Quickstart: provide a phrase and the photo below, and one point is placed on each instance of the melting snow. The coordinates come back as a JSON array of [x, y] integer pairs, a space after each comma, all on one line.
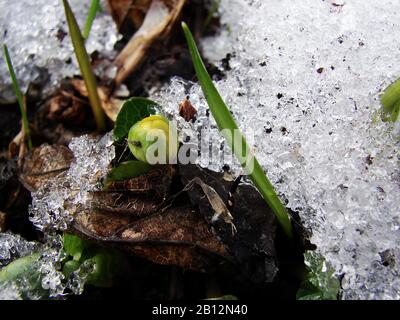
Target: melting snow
[[36, 34], [306, 75]]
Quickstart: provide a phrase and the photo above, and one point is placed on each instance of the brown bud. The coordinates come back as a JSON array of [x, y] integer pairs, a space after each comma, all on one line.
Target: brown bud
[[187, 111]]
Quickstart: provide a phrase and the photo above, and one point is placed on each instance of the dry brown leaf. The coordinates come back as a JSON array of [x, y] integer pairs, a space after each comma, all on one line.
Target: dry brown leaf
[[155, 183], [110, 105], [178, 236], [253, 246], [187, 111], [2, 221], [134, 10], [159, 19], [124, 203], [44, 163]]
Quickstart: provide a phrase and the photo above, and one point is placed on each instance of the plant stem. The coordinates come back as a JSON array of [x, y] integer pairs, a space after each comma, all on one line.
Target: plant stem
[[18, 93], [85, 67], [390, 100], [238, 144], [94, 7]]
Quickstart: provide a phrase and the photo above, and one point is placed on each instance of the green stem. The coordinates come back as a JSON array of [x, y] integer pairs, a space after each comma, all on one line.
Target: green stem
[[85, 67], [390, 100], [18, 93], [94, 7], [234, 137]]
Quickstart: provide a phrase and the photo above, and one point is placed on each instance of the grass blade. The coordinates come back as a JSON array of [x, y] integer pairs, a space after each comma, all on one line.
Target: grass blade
[[85, 67], [390, 100], [229, 128], [94, 7], [20, 99]]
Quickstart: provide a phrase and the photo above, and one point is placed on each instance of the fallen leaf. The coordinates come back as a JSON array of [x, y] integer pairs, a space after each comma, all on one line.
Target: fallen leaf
[[178, 236], [253, 245], [187, 111], [160, 17], [132, 10], [44, 163], [2, 221]]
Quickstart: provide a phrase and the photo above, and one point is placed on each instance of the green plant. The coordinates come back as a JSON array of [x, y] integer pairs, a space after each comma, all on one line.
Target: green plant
[[132, 111], [234, 137], [18, 93], [390, 100], [109, 265], [18, 267], [94, 8], [85, 67], [320, 282], [152, 133], [127, 170]]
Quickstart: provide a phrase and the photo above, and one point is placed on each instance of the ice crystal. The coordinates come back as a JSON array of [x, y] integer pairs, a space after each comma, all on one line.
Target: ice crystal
[[43, 278], [13, 247], [306, 76], [36, 33], [54, 205]]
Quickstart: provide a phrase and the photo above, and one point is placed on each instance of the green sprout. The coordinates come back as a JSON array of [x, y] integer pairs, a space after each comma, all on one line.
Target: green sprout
[[18, 93], [93, 9], [390, 100], [234, 137], [85, 67]]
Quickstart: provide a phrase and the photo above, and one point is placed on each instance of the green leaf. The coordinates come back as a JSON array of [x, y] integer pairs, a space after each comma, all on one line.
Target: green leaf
[[108, 264], [70, 266], [132, 111], [320, 282], [19, 267], [25, 273], [106, 269], [18, 93], [74, 246], [390, 100], [94, 8], [128, 170], [85, 67], [234, 137]]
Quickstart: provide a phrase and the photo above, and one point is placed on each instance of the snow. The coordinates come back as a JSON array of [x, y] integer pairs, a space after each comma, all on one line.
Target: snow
[[304, 83], [36, 34], [54, 204]]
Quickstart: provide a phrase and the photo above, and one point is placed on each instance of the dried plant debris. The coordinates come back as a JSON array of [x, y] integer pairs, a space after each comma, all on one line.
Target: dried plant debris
[[160, 17], [135, 214], [125, 11], [2, 221], [144, 216], [44, 163], [155, 183], [111, 105], [252, 245], [187, 111], [177, 236], [60, 197]]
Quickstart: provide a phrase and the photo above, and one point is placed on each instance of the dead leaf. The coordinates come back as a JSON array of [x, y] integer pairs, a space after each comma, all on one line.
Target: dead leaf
[[160, 17], [187, 111], [110, 105], [67, 108], [124, 203], [253, 246], [44, 163], [156, 183], [178, 236], [2, 221], [132, 10]]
